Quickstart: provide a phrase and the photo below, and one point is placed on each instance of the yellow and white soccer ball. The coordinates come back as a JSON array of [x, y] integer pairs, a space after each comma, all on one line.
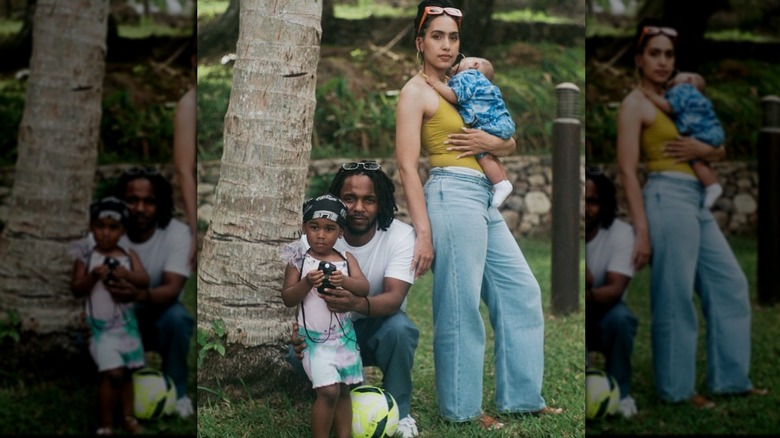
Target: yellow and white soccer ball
[[374, 412], [154, 394], [602, 394]]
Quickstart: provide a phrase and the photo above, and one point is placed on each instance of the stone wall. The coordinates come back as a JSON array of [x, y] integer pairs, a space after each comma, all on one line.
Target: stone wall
[[527, 210]]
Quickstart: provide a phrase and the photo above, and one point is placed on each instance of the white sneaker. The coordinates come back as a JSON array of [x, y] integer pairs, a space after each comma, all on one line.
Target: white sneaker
[[407, 427], [627, 407], [184, 407]]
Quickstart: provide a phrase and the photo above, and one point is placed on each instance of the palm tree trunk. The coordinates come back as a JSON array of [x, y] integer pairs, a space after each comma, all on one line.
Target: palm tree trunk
[[268, 128], [57, 148]]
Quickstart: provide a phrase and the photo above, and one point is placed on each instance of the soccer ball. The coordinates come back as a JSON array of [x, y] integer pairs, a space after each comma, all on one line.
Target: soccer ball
[[154, 394], [374, 412], [602, 394]]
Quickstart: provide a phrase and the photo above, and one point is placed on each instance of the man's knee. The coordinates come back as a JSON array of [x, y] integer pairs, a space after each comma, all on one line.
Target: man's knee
[[401, 330], [621, 321], [177, 321]]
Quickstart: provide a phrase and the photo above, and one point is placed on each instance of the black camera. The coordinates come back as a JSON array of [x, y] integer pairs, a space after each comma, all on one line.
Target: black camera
[[112, 263], [328, 268]]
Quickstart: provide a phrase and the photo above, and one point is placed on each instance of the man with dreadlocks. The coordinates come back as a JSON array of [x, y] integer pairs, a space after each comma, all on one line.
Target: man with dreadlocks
[[384, 248]]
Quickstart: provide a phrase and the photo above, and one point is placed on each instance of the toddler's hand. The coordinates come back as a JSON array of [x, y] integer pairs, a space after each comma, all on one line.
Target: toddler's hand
[[100, 272], [315, 277], [336, 278], [120, 272]]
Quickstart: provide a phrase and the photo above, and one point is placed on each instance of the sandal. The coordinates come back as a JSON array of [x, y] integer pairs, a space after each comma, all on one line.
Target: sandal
[[756, 391], [489, 423], [701, 402], [548, 411], [104, 431], [132, 426]]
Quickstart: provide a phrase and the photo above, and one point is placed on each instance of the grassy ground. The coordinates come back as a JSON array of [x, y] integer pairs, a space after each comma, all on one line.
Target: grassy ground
[[286, 413], [67, 405], [731, 416]]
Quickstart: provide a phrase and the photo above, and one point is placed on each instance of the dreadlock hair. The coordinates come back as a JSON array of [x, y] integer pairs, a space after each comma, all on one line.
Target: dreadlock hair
[[607, 199], [383, 188], [163, 192]]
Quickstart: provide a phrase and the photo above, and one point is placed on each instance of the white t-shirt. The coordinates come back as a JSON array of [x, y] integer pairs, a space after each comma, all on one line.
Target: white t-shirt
[[388, 254], [610, 251], [166, 251]]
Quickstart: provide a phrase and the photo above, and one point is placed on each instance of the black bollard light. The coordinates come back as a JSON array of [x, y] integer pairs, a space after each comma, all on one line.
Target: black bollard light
[[566, 201], [768, 205]]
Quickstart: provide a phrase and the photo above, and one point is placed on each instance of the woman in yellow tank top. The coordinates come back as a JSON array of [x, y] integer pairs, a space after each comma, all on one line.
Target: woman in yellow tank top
[[476, 255], [680, 238]]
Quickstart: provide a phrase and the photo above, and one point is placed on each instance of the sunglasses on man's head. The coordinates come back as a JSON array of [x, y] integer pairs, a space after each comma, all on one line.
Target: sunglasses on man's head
[[144, 171], [367, 165], [650, 31], [438, 10], [593, 171]]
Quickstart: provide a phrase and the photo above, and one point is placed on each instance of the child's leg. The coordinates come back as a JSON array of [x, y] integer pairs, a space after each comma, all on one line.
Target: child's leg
[[342, 421], [323, 410], [128, 395], [708, 179], [110, 387], [495, 173]]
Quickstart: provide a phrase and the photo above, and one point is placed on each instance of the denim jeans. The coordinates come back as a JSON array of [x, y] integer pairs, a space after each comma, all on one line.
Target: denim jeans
[[690, 253], [388, 343], [476, 257], [168, 330], [612, 332]]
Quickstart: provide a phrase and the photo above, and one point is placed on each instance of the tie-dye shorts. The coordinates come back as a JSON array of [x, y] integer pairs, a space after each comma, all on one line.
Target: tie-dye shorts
[[332, 357]]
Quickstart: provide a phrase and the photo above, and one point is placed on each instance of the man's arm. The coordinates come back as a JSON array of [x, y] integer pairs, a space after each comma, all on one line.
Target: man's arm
[[611, 291], [385, 303], [165, 293]]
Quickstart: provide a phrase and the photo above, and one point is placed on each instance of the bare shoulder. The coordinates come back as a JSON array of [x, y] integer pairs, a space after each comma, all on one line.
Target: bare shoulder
[[636, 104], [417, 92]]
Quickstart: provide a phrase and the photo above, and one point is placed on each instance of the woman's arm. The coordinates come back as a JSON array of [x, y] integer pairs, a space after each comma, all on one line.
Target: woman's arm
[[409, 115], [475, 141], [629, 131], [685, 149], [184, 151]]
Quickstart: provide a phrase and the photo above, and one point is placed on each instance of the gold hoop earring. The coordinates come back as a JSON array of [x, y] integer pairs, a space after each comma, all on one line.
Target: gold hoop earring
[[419, 62]]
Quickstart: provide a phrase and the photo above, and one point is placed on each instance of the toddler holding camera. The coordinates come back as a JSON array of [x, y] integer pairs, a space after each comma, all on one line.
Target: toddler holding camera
[[331, 358], [115, 343]]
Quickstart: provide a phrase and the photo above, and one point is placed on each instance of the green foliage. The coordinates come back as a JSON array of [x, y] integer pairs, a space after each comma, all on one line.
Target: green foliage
[[214, 83], [10, 325], [343, 122], [11, 109], [211, 340], [318, 185], [129, 132]]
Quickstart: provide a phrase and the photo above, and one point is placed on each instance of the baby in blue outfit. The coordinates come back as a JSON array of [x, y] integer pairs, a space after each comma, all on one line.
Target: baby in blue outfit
[[481, 105], [695, 117]]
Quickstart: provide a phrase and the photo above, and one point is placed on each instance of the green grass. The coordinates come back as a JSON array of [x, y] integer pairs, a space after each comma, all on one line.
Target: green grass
[[731, 416], [68, 405], [211, 9], [286, 413]]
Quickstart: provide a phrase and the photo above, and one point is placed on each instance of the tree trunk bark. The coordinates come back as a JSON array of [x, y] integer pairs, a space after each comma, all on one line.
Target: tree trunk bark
[[268, 128], [55, 168]]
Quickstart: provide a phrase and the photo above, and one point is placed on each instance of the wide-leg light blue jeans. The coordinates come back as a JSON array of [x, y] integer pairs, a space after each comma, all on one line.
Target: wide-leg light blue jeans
[[476, 257], [690, 253]]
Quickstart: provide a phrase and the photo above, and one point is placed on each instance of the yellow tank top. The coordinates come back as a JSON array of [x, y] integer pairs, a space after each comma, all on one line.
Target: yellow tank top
[[653, 139], [434, 132]]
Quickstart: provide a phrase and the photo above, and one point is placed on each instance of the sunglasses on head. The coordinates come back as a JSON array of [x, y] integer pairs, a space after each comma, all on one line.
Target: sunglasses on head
[[438, 10], [145, 171], [650, 31], [594, 171], [367, 165]]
